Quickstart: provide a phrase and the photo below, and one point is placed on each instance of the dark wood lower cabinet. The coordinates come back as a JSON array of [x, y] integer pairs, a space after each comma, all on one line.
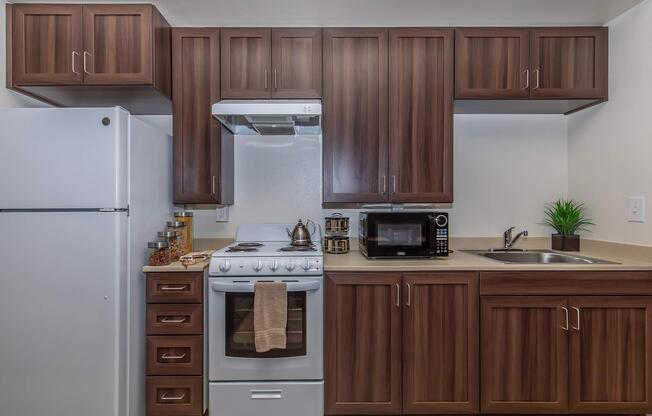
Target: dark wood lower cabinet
[[440, 343], [524, 354], [611, 354]]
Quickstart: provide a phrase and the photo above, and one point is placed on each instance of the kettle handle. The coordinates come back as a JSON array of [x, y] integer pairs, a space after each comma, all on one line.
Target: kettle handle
[[314, 226]]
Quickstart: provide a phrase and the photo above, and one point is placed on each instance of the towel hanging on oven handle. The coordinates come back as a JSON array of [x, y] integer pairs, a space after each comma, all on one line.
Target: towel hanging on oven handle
[[248, 287]]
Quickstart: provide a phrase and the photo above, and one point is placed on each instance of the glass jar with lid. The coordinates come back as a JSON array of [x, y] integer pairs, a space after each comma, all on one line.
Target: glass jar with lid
[[186, 217], [182, 234], [158, 253], [171, 238]]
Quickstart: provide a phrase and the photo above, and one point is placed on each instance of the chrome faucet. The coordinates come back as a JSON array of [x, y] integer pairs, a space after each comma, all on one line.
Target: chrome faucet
[[509, 240]]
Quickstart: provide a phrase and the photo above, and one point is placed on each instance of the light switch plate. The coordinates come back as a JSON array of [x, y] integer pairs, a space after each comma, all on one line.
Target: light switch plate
[[636, 209], [222, 214]]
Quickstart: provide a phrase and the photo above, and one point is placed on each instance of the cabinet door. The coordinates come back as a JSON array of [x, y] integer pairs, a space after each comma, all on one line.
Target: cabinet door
[[421, 115], [296, 62], [46, 44], [363, 345], [355, 115], [440, 343], [491, 63], [524, 354], [246, 56], [117, 44], [611, 354], [195, 61], [569, 62]]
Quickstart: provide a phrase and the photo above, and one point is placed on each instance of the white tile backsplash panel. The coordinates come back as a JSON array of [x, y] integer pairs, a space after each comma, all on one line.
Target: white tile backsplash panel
[[506, 168]]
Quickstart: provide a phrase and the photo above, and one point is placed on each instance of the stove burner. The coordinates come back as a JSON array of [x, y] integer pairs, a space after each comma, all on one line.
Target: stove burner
[[243, 247], [298, 248], [249, 244]]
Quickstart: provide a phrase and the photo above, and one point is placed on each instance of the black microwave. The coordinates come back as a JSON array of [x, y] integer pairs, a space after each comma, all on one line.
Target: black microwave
[[403, 234]]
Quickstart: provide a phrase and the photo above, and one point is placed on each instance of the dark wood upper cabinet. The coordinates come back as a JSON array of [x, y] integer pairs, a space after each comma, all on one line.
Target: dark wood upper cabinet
[[421, 115], [203, 153], [440, 343], [524, 354], [611, 354], [47, 44], [246, 63], [296, 62], [363, 344], [569, 62], [355, 115], [491, 63]]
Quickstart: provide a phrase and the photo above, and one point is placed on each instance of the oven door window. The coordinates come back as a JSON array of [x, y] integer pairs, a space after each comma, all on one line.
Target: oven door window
[[240, 327]]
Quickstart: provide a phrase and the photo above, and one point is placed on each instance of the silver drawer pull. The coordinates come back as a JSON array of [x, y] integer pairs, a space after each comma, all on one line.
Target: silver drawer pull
[[266, 394], [167, 320], [165, 397], [165, 356], [173, 288]]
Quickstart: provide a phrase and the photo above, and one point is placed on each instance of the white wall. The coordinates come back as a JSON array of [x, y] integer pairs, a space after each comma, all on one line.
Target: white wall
[[506, 168], [610, 147]]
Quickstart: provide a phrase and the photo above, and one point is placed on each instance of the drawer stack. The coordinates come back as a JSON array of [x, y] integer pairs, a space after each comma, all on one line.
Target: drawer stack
[[175, 343]]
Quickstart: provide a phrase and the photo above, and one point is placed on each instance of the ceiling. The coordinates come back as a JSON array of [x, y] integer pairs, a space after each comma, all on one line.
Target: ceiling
[[386, 12]]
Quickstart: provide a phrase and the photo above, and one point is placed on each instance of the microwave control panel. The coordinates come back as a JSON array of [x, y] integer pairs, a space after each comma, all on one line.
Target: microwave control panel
[[441, 234]]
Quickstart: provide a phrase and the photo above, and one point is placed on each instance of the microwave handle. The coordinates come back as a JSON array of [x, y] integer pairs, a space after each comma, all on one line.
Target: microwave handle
[[248, 287], [432, 248]]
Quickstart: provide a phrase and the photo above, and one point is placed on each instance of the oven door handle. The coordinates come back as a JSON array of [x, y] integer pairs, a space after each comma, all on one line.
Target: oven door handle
[[248, 287]]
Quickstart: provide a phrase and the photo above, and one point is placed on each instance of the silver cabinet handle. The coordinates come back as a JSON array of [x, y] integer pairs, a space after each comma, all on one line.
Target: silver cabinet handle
[[398, 294], [167, 288], [408, 302], [165, 397], [577, 312], [275, 83], [384, 184], [527, 79], [213, 182], [565, 325], [537, 75], [73, 61], [84, 63], [165, 356], [265, 80], [167, 320], [394, 184]]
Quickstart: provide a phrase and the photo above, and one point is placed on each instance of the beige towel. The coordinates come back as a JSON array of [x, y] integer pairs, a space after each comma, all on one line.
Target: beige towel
[[270, 315]]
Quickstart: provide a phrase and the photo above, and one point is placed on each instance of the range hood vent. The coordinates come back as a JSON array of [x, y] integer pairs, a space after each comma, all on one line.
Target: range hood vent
[[270, 117]]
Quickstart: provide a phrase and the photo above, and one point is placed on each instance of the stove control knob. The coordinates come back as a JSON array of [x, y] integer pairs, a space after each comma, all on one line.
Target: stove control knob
[[289, 265], [273, 266], [306, 265], [225, 266], [258, 266]]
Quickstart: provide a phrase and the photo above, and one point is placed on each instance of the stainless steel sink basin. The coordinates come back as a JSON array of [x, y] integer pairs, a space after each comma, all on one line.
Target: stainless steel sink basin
[[537, 257]]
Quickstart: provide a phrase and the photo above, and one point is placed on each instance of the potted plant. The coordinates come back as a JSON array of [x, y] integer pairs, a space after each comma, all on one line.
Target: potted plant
[[567, 217]]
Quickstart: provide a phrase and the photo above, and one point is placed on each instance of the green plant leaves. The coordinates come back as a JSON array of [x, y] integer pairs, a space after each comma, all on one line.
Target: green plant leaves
[[566, 216]]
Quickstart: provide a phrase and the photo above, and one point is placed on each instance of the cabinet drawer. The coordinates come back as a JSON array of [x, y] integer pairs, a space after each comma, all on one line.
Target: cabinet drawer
[[175, 355], [173, 396], [175, 287], [175, 319]]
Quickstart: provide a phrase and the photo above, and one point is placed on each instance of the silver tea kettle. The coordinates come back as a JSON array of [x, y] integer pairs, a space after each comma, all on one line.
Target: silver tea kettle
[[300, 236]]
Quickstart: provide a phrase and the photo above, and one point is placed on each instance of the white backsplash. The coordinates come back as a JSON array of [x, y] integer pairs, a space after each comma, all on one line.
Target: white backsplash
[[506, 168]]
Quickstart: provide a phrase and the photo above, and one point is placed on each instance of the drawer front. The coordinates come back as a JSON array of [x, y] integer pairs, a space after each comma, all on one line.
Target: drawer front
[[175, 287], [174, 396], [175, 319], [175, 355]]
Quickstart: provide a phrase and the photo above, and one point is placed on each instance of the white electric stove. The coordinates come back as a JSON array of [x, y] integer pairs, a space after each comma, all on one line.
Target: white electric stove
[[278, 382]]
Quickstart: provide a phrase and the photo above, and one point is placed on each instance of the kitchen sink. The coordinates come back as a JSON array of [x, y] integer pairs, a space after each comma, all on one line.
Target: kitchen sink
[[537, 257]]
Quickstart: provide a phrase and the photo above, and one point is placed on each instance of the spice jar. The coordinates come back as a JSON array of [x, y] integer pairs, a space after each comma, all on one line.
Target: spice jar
[[182, 236], [171, 238], [159, 253], [186, 217]]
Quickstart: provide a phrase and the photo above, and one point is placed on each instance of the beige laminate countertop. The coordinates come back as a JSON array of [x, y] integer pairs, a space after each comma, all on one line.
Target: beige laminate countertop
[[628, 257]]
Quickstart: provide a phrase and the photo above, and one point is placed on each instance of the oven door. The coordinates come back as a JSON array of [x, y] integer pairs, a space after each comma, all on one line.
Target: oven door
[[399, 234], [232, 351]]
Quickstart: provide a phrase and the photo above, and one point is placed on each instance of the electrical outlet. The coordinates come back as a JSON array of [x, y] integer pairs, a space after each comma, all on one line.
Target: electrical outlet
[[636, 209], [222, 214]]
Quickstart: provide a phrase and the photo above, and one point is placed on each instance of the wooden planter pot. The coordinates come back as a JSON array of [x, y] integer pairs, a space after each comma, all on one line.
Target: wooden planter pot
[[566, 242]]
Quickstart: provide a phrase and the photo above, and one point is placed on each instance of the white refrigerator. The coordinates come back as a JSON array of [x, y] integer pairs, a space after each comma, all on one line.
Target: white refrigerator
[[81, 193]]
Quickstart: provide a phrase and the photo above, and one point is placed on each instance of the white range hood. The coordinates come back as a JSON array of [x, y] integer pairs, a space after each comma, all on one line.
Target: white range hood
[[270, 117]]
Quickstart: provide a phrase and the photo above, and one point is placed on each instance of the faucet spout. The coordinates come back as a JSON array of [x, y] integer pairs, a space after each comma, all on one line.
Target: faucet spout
[[511, 240]]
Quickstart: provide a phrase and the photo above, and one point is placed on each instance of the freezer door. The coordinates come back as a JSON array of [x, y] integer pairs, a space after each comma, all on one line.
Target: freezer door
[[62, 301], [64, 157]]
